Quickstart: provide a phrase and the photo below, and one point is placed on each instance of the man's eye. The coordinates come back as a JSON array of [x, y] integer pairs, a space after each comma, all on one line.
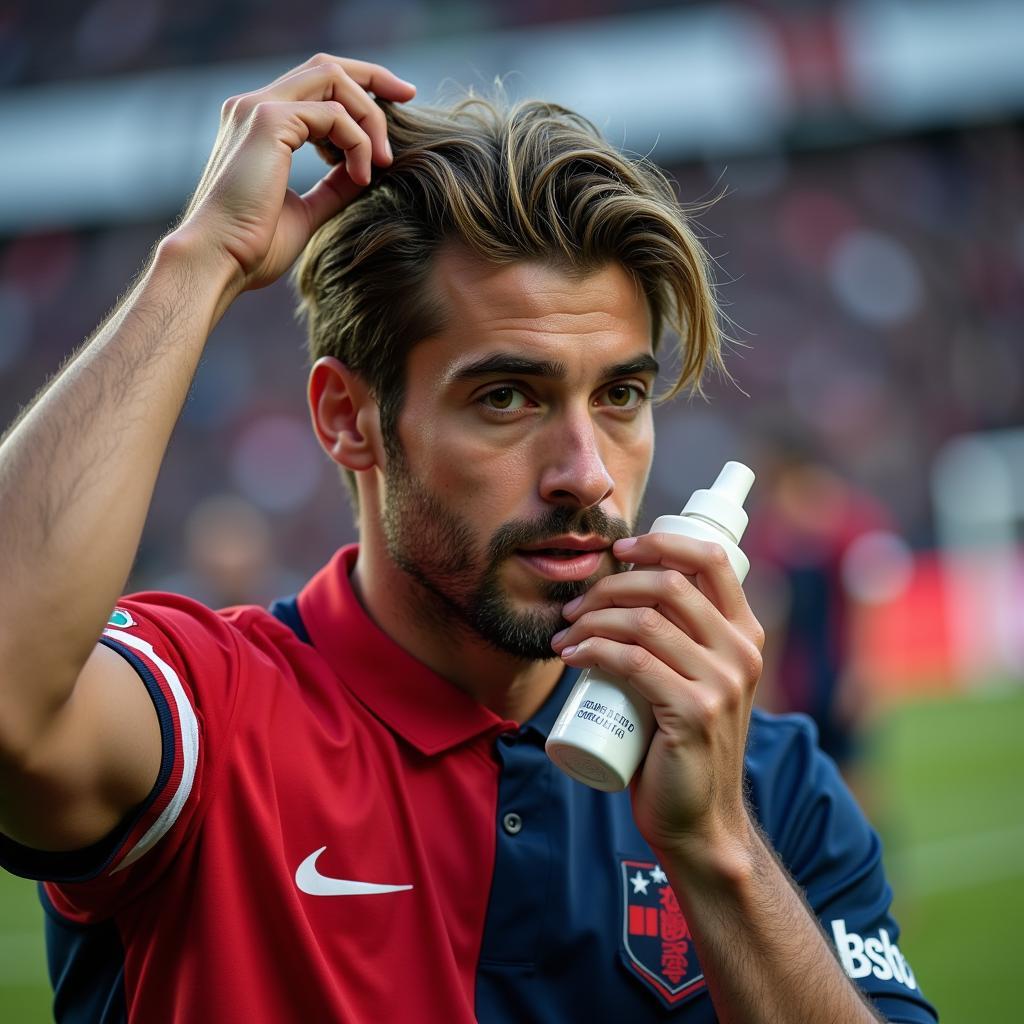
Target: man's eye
[[625, 396], [504, 399]]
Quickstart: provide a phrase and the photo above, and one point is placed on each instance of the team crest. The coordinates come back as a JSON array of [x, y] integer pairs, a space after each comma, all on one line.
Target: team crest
[[656, 942]]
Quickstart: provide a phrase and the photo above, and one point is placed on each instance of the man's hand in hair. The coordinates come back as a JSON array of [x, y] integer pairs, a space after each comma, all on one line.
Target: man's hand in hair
[[243, 213]]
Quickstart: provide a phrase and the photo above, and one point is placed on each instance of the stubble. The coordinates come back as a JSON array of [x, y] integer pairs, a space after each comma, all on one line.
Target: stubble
[[459, 579]]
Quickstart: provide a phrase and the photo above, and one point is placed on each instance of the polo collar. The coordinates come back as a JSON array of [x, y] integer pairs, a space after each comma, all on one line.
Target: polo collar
[[412, 700]]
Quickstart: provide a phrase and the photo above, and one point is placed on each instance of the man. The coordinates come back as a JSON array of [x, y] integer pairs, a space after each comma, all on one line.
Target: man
[[804, 536], [342, 811]]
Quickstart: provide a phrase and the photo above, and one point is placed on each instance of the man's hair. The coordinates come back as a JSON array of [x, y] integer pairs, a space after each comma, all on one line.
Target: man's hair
[[525, 181]]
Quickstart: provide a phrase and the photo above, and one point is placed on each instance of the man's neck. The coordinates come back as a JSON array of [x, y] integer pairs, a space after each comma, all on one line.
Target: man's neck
[[513, 688]]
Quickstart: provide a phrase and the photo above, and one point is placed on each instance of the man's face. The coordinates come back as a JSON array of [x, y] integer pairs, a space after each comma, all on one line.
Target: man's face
[[524, 443]]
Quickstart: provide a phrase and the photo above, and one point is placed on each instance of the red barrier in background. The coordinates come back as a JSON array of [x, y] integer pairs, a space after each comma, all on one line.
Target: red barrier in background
[[911, 644]]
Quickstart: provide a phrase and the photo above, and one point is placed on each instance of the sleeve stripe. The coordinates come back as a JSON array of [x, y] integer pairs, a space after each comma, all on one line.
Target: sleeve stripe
[[189, 737]]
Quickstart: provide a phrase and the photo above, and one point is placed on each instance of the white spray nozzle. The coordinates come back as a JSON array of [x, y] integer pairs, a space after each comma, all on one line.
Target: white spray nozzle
[[722, 503], [734, 482]]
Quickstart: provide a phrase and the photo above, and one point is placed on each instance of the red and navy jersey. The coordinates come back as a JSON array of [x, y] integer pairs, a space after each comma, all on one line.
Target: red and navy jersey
[[339, 834]]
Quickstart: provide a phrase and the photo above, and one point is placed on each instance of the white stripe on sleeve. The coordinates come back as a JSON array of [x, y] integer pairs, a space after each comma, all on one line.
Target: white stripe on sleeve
[[189, 738]]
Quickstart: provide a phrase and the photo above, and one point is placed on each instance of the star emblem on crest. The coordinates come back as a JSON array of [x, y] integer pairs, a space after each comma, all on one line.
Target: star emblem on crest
[[640, 883], [658, 876]]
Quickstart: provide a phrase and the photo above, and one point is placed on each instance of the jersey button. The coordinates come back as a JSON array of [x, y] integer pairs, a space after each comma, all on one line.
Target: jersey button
[[512, 823]]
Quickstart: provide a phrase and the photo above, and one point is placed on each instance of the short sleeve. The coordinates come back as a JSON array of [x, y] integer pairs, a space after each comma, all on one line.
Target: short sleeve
[[827, 845], [188, 659]]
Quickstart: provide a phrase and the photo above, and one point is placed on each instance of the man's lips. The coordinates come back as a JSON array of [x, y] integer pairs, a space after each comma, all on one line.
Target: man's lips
[[565, 558]]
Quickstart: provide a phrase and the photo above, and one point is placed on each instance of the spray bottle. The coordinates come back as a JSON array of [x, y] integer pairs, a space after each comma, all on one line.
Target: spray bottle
[[604, 729]]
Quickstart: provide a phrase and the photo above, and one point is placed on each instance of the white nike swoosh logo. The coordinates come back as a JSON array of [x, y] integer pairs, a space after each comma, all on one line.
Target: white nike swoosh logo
[[311, 882]]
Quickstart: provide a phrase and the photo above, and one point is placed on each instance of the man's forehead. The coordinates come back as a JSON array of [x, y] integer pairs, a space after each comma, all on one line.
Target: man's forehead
[[536, 293], [534, 310]]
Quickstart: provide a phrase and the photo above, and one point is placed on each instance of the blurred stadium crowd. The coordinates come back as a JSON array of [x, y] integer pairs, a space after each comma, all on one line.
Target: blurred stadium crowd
[[876, 293], [67, 39]]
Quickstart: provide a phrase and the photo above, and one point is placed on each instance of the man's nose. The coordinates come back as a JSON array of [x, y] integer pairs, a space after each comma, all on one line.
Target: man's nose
[[574, 468]]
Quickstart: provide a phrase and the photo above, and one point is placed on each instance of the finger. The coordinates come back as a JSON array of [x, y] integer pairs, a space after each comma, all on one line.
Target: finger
[[654, 681], [371, 77], [375, 77], [729, 651], [643, 627], [705, 561], [371, 119], [667, 591], [331, 82], [297, 123], [680, 705], [380, 81]]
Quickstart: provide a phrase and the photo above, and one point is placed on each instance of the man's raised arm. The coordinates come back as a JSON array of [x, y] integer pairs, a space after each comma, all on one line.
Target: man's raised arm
[[79, 742]]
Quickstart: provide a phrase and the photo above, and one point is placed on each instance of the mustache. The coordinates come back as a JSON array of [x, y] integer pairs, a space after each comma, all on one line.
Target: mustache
[[519, 532]]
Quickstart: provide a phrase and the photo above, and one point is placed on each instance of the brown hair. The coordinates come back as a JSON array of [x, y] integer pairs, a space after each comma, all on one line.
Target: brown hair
[[510, 182]]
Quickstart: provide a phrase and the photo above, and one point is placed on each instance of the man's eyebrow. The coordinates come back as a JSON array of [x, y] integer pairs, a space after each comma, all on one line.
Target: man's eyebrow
[[508, 364], [642, 364], [502, 363]]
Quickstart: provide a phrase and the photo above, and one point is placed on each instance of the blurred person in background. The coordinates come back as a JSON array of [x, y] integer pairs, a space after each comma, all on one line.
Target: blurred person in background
[[341, 809], [229, 556], [804, 525]]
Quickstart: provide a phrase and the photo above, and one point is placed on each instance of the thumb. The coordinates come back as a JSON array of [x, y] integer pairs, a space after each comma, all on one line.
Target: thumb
[[330, 195]]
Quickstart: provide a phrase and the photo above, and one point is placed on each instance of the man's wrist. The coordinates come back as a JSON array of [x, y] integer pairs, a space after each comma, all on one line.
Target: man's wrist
[[720, 858], [213, 277]]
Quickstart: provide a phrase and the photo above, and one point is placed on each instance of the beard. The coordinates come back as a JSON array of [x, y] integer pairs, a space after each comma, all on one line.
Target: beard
[[460, 580]]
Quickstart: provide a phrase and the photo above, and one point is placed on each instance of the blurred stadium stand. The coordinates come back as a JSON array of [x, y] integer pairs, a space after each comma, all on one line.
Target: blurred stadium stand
[[679, 81], [870, 244]]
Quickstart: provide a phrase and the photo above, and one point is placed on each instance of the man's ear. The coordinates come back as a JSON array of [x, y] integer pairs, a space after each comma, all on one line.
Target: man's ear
[[345, 415]]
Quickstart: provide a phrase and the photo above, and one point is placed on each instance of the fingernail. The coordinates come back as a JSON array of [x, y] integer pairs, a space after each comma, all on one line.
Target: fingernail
[[572, 605], [568, 650], [625, 544], [387, 149], [558, 636]]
